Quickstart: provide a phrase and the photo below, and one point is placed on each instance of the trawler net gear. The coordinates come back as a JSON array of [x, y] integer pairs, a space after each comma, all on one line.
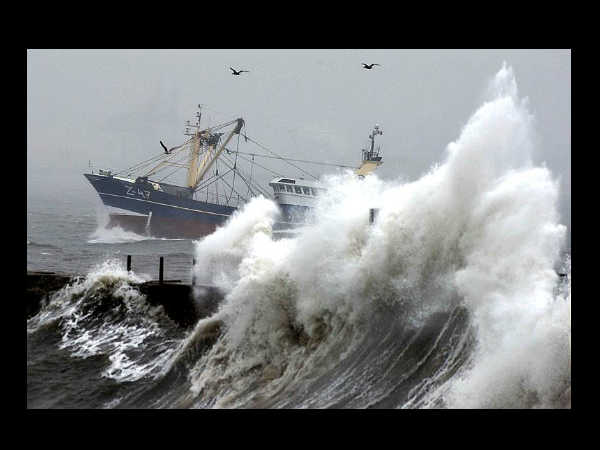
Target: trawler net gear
[[213, 170]]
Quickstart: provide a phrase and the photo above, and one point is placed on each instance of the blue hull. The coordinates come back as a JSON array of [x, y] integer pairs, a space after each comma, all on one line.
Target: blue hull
[[173, 215]]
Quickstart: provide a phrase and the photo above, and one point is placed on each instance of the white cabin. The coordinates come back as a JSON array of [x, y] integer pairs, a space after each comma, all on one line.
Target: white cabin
[[296, 191]]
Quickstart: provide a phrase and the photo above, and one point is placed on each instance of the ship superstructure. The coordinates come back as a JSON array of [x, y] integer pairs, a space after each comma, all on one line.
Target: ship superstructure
[[296, 196]]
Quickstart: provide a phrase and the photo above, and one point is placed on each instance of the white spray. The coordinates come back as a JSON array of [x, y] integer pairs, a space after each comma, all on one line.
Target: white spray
[[85, 335], [483, 225], [511, 246], [510, 242]]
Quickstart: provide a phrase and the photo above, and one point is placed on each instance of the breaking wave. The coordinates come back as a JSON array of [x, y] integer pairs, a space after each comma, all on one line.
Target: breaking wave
[[105, 314], [114, 235], [448, 300], [117, 235]]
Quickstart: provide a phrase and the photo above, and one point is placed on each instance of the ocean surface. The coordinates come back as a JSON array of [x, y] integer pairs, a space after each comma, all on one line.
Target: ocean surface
[[451, 299]]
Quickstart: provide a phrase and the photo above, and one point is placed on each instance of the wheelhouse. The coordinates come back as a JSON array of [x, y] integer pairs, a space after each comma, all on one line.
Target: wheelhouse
[[295, 186]]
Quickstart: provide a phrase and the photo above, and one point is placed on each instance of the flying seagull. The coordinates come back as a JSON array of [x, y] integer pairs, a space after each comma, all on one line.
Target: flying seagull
[[369, 66], [237, 72], [168, 152]]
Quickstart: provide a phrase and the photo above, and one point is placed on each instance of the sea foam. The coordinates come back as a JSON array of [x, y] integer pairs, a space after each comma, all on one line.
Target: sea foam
[[479, 230]]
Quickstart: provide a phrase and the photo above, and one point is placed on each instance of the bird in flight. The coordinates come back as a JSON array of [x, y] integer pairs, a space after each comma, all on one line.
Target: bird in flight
[[369, 66], [237, 72], [168, 152]]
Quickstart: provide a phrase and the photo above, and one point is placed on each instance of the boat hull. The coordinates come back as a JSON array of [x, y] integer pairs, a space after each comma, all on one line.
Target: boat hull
[[162, 227], [157, 213]]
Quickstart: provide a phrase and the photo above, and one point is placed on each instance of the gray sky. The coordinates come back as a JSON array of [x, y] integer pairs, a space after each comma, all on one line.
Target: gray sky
[[113, 106]]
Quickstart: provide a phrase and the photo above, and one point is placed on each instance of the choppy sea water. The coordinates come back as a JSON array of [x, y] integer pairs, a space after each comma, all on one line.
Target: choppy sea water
[[69, 235], [451, 299]]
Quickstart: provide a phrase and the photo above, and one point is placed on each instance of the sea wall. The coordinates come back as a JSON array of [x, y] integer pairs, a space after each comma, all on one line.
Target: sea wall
[[176, 298]]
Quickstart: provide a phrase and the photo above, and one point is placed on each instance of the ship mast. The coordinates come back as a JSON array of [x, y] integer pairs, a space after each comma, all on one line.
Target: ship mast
[[194, 149], [371, 159], [206, 141], [213, 140]]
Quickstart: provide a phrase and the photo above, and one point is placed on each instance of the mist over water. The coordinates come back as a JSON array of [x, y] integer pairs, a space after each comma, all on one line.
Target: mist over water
[[450, 299]]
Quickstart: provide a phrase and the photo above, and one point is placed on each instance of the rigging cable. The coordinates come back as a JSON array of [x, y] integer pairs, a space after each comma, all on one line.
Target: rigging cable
[[208, 182], [138, 165], [262, 167], [231, 189], [251, 174], [250, 184], [168, 175], [151, 160], [270, 151], [234, 172], [290, 159]]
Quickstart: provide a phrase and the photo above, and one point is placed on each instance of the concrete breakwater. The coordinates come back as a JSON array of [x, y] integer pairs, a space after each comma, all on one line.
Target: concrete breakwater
[[177, 298]]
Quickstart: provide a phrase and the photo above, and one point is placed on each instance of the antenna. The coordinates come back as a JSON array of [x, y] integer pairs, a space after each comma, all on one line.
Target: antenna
[[199, 114], [370, 154], [196, 125]]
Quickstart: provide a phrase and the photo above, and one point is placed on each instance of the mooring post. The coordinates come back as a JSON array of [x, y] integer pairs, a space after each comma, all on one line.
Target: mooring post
[[128, 263], [193, 272], [160, 270], [372, 214]]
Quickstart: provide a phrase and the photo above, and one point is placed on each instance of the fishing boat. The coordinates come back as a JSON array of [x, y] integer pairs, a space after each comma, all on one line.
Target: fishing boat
[[144, 204], [217, 183]]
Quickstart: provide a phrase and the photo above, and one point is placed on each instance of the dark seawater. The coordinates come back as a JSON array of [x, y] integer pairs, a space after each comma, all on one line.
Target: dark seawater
[[451, 299], [66, 234]]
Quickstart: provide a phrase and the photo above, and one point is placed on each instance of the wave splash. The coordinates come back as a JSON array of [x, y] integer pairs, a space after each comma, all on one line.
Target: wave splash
[[104, 314], [448, 300], [116, 234]]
